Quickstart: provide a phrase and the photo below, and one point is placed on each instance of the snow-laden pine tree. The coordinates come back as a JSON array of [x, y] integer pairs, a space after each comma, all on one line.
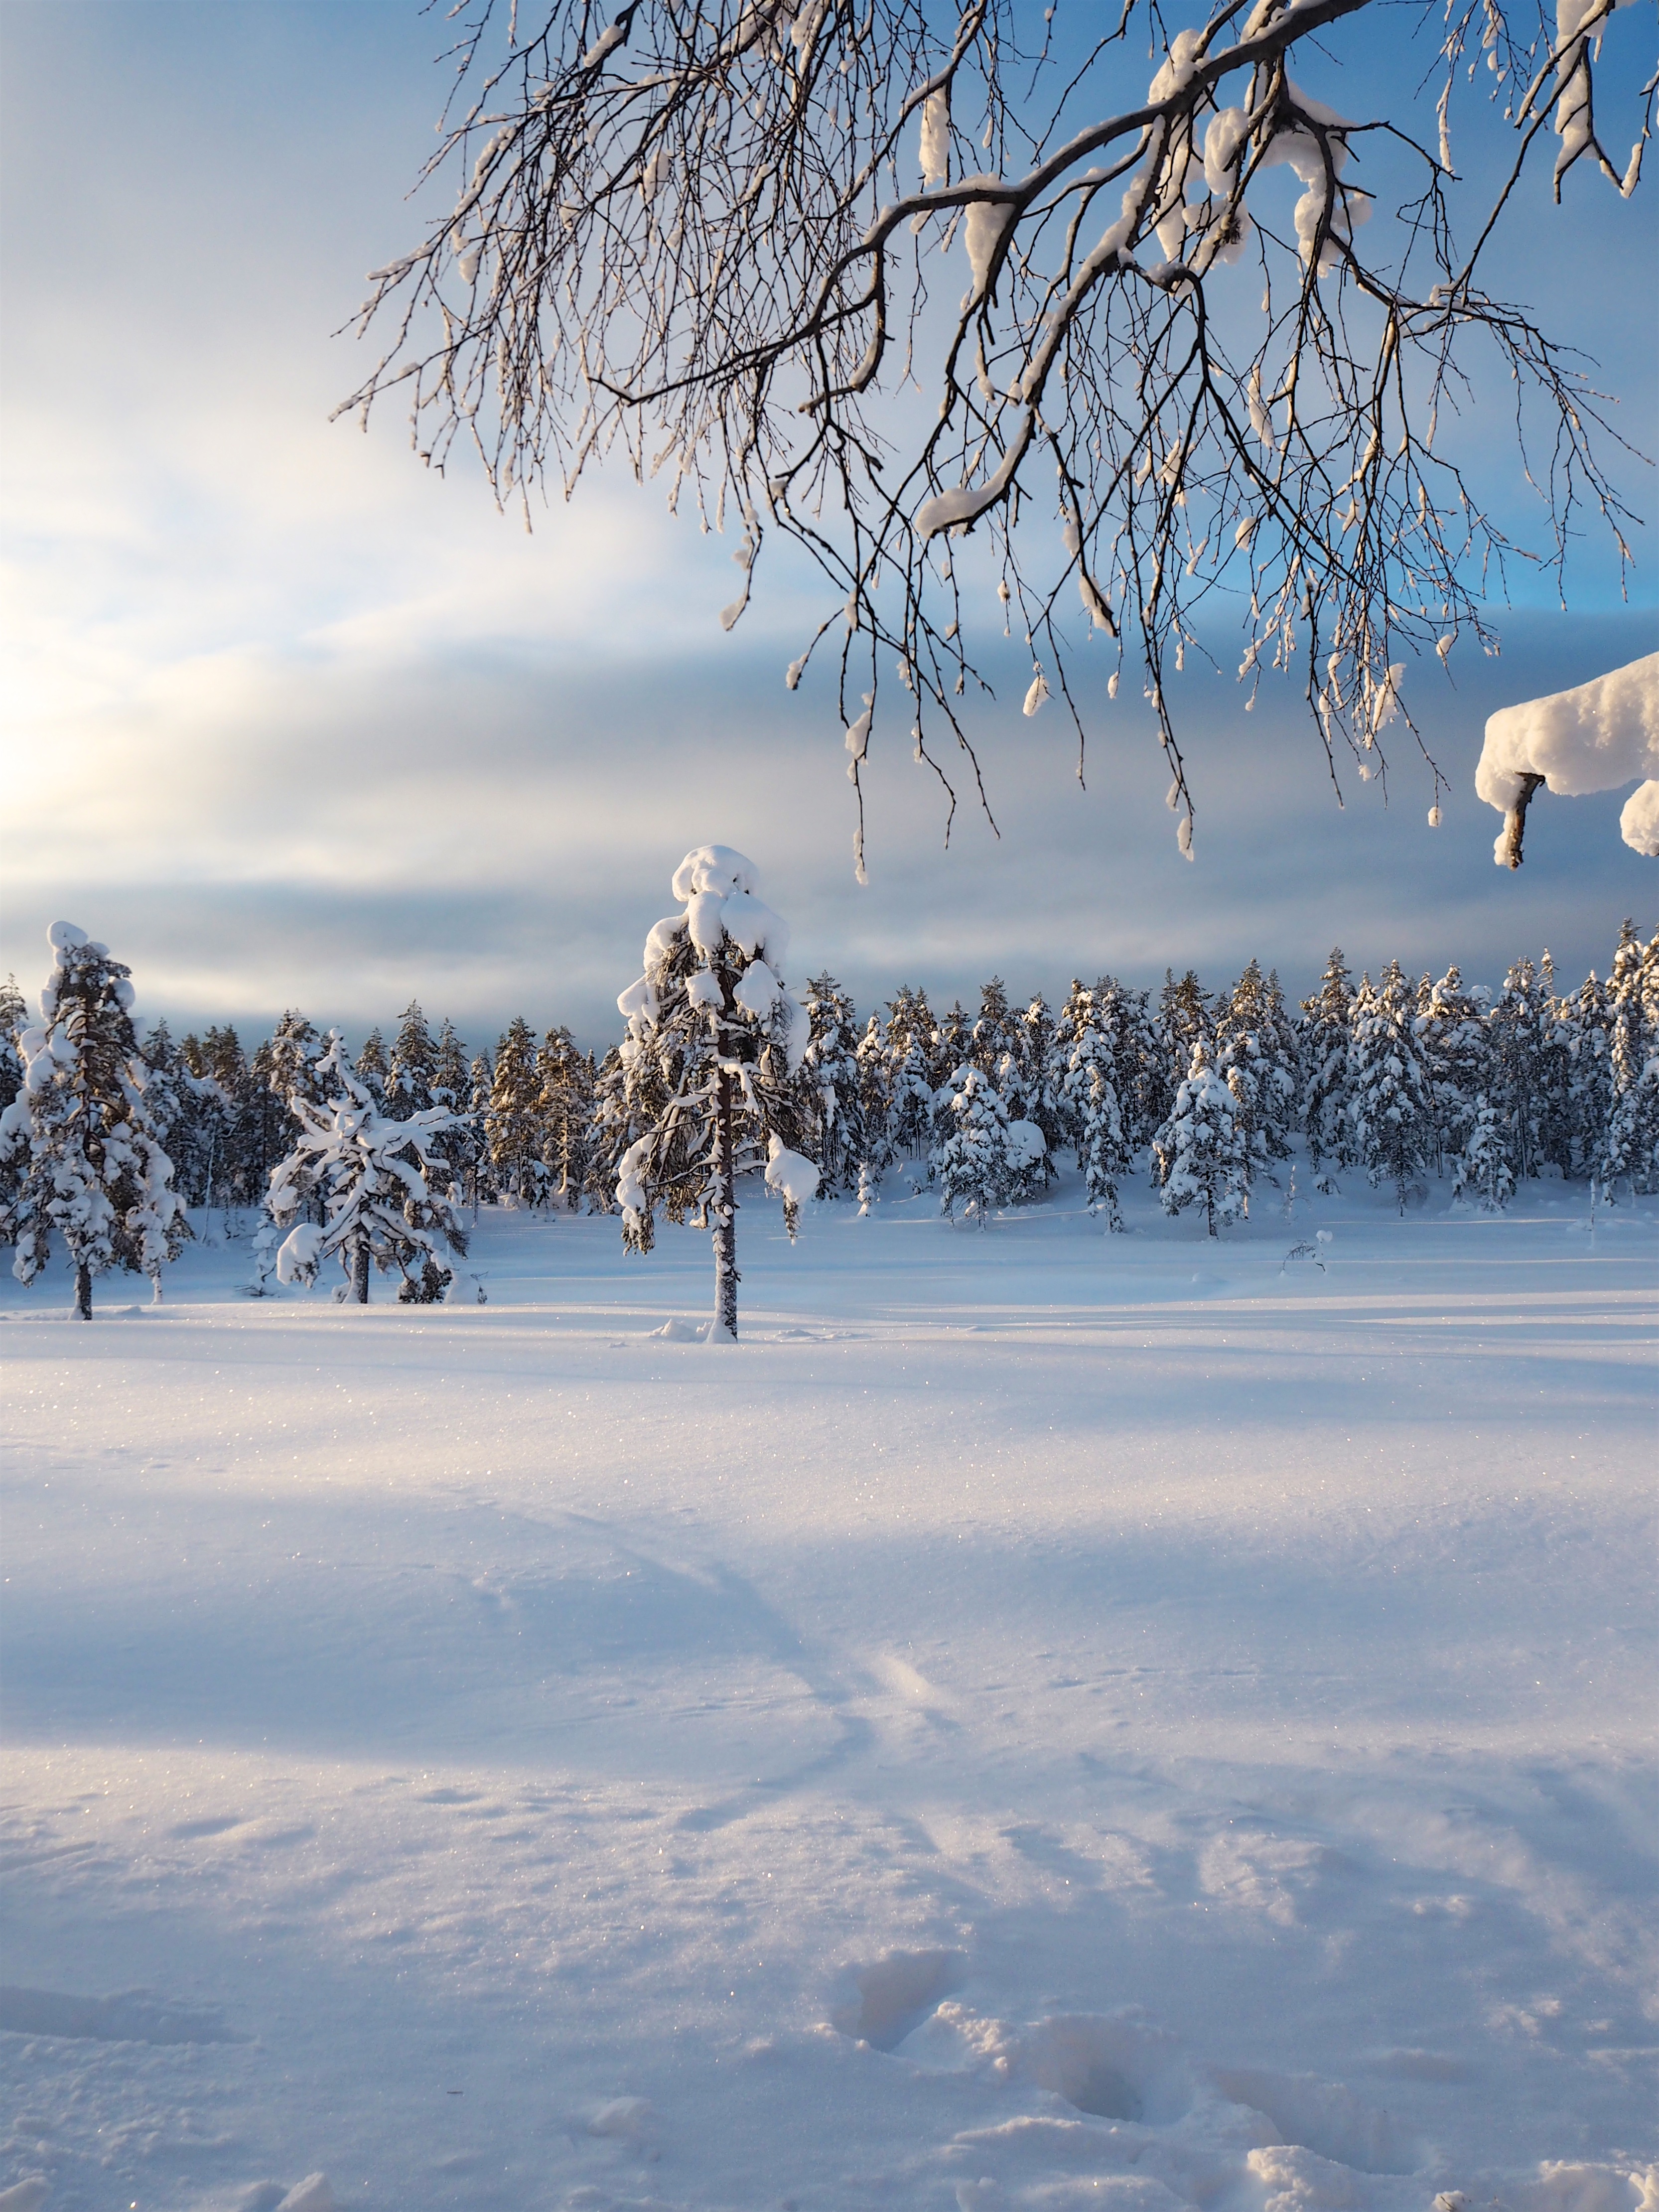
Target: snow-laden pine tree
[[831, 1091], [1325, 1039], [410, 1066], [481, 1179], [373, 1070], [1630, 1150], [714, 1046], [1458, 1061], [1201, 1155], [515, 1123], [1184, 1018], [1095, 1107], [971, 1161], [14, 1017], [1255, 1059], [1584, 1028], [1482, 1170], [912, 1074], [567, 1111], [93, 1173], [875, 1106], [1521, 1032], [1044, 1066], [451, 1086], [1392, 1115], [365, 1189]]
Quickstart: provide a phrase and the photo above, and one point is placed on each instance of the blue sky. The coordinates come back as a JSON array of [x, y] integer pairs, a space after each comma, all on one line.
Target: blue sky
[[291, 722]]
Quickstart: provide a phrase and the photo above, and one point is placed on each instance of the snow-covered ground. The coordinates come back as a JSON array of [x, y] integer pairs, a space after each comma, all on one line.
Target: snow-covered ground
[[1048, 1720]]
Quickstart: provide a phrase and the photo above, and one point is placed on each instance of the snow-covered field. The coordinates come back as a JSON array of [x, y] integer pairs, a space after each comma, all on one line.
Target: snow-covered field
[[1048, 1720]]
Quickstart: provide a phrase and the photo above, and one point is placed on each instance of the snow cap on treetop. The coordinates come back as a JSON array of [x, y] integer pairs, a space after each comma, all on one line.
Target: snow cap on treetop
[[63, 934], [713, 868]]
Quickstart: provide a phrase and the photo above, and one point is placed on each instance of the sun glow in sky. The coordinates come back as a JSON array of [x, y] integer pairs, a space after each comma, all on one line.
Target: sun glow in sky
[[292, 721]]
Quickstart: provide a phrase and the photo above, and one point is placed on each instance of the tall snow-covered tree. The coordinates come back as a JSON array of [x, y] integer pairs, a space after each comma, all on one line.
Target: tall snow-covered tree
[[727, 243], [715, 1043], [1391, 1112], [481, 1082], [1457, 1062], [1043, 1066], [875, 1106], [970, 1159], [410, 1066], [831, 1089], [1253, 1058], [515, 1124], [1482, 1168], [1629, 1150], [381, 1191], [96, 1176], [1185, 1018], [374, 1069], [14, 1017], [1584, 1028], [1521, 1032], [1094, 1104], [615, 1127], [567, 1107], [1326, 1036], [1200, 1153], [913, 1074]]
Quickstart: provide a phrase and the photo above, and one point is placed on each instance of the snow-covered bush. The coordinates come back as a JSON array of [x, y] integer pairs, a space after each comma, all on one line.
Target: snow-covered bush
[[1200, 1153], [715, 1043], [1390, 1112], [90, 1167], [377, 1186], [970, 1160]]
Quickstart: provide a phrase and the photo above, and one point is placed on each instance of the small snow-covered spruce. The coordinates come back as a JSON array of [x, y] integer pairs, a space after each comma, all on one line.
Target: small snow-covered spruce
[[374, 1069], [1630, 1147], [715, 1043], [970, 1160], [1324, 1057], [831, 1088], [911, 1073], [410, 1067], [515, 1126], [1094, 1105], [1520, 1030], [1255, 1057], [1389, 1102], [92, 1171], [1184, 1018], [379, 1186], [1482, 1170], [1199, 1154], [13, 1015], [1456, 1045], [874, 1107], [568, 1077]]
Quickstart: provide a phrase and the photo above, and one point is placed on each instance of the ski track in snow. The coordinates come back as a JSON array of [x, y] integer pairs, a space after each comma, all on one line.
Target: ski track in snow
[[1050, 1720]]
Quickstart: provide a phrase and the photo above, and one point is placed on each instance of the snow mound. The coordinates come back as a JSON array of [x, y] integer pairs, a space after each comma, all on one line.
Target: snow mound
[[678, 1332], [895, 1995], [1592, 737], [627, 2117], [1325, 2117], [1113, 2066], [311, 2195]]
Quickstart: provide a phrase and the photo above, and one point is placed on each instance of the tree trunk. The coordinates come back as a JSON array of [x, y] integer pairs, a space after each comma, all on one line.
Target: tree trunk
[[724, 1212], [360, 1272], [82, 1292]]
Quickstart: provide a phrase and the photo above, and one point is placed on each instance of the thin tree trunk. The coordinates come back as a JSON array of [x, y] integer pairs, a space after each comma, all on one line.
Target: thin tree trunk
[[82, 1293], [725, 1209], [360, 1272]]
